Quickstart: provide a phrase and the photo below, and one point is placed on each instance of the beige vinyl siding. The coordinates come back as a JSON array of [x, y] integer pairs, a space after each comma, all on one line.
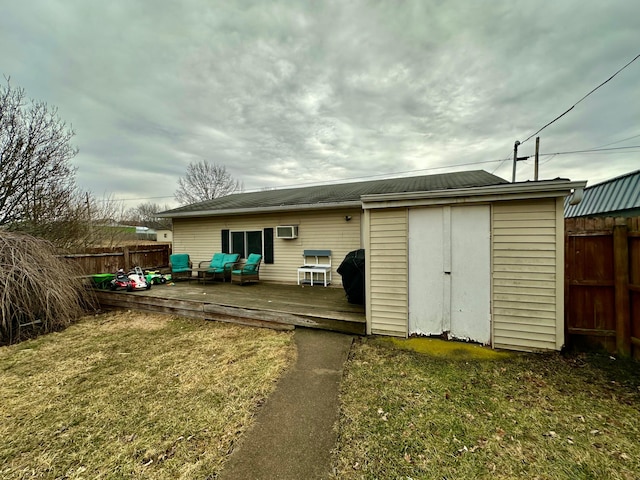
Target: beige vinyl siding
[[387, 256], [326, 230], [525, 275]]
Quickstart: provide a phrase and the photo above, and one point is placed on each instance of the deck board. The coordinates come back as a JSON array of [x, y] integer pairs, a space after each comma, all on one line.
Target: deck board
[[262, 304]]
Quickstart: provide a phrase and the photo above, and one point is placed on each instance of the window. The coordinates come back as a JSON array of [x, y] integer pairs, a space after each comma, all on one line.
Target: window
[[245, 243], [251, 241]]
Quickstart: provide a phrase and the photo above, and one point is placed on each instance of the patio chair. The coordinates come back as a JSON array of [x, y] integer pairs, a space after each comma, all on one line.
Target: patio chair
[[220, 266], [180, 266], [248, 271]]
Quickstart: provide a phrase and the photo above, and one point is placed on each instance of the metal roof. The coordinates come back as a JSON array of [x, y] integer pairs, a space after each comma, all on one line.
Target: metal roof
[[613, 197], [340, 194]]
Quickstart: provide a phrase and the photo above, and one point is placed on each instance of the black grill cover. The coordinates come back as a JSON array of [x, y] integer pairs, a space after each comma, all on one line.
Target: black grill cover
[[352, 271]]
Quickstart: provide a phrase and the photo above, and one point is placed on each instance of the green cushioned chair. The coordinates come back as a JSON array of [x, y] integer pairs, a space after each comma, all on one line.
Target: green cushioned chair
[[248, 271], [219, 267], [217, 262], [180, 265]]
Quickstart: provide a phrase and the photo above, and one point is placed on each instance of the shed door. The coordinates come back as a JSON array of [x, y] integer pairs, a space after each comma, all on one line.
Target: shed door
[[449, 272]]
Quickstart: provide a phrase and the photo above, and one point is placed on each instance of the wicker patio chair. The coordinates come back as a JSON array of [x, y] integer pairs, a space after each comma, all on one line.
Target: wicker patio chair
[[247, 272]]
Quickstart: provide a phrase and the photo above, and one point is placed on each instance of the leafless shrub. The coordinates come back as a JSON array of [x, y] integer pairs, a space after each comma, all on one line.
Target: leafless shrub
[[39, 293]]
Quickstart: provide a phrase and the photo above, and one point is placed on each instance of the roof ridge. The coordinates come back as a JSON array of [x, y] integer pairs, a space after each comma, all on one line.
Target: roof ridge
[[354, 182]]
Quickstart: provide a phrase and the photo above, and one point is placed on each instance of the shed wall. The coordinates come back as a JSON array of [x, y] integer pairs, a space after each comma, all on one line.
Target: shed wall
[[387, 272], [525, 281], [326, 230]]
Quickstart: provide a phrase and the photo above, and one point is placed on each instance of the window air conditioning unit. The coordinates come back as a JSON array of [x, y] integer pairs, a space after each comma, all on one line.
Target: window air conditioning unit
[[287, 231]]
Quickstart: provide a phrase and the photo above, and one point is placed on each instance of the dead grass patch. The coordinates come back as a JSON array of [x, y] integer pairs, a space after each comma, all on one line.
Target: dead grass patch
[[133, 395], [416, 415]]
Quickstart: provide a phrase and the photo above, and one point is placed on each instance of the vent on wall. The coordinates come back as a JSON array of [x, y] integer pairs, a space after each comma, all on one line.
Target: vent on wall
[[287, 231]]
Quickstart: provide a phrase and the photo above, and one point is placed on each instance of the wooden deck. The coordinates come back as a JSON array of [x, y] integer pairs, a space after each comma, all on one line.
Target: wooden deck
[[262, 305]]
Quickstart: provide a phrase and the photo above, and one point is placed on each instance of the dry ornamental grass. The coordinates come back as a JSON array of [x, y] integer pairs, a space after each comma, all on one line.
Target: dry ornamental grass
[[39, 293], [133, 395]]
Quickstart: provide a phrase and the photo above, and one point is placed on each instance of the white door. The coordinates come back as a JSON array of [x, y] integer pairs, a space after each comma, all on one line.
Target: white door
[[471, 273], [426, 282], [449, 272]]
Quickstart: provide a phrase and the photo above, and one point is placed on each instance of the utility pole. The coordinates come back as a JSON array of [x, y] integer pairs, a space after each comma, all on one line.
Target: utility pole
[[515, 160], [535, 164]]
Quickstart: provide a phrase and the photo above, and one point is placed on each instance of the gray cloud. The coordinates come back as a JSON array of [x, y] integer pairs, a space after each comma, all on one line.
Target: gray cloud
[[288, 92]]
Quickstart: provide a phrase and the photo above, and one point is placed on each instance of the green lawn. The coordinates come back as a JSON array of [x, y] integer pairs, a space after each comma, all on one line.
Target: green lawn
[[465, 412], [133, 396]]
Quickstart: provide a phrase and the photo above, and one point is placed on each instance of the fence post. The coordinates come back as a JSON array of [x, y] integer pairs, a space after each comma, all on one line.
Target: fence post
[[127, 259], [621, 286]]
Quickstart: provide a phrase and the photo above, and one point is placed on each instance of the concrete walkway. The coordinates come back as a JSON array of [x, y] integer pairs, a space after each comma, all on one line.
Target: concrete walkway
[[294, 431]]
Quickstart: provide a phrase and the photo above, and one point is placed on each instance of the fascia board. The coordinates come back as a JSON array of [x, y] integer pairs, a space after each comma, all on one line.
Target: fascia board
[[259, 210], [472, 195]]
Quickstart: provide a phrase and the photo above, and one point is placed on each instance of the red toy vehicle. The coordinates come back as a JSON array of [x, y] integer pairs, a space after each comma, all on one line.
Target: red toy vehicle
[[134, 280]]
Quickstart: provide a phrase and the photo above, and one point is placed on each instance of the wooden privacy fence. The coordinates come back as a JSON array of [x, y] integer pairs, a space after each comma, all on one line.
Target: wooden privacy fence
[[602, 283], [109, 260]]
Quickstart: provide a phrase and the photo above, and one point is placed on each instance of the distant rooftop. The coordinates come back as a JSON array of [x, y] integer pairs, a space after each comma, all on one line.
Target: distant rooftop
[[334, 195], [619, 196]]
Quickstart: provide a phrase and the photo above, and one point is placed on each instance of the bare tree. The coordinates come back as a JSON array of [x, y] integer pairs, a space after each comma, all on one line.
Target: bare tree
[[146, 214], [37, 181], [107, 219], [38, 193], [205, 181], [83, 222], [64, 221]]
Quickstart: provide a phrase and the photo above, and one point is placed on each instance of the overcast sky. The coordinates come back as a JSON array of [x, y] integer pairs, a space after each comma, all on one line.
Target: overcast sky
[[285, 93]]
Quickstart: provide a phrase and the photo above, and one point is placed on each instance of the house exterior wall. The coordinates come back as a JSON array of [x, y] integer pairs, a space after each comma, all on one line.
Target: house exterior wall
[[527, 278], [320, 229], [164, 236], [387, 257]]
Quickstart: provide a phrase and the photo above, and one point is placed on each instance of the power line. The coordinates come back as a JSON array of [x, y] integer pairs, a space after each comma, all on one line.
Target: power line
[[386, 175], [466, 164], [594, 150], [618, 141], [130, 199], [591, 150], [501, 163], [548, 160], [328, 181], [585, 96]]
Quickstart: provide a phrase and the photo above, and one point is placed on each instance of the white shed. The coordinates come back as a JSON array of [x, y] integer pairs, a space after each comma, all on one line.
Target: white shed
[[484, 264]]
